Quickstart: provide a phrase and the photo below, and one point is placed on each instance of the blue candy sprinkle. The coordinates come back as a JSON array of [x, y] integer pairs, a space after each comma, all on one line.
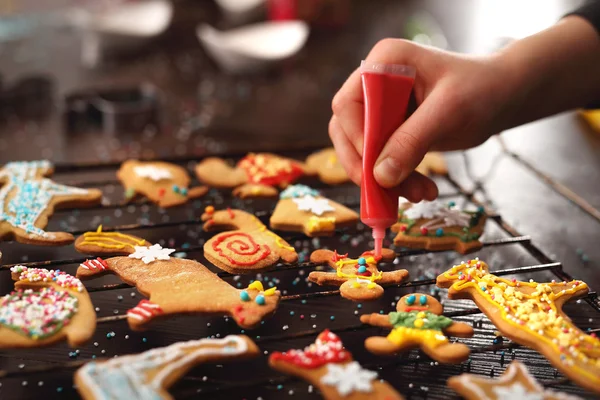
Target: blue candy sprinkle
[[260, 300], [410, 300], [176, 188], [362, 261], [183, 191], [423, 300], [439, 232], [362, 269], [451, 204], [244, 296]]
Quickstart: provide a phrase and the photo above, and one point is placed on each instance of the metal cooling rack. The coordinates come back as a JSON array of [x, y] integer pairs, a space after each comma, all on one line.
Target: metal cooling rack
[[305, 309]]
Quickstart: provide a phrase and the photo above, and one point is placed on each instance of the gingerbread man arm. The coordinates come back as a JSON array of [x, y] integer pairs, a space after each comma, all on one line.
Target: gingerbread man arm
[[459, 329], [380, 320]]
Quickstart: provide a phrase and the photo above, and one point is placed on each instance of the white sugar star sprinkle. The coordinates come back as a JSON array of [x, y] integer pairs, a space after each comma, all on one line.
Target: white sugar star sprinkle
[[349, 378], [152, 172], [516, 391], [152, 253], [312, 204]]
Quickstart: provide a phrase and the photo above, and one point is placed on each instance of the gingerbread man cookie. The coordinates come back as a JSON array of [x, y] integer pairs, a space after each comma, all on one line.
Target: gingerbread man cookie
[[327, 365], [177, 286], [432, 225], [46, 307], [302, 209], [108, 243], [163, 183], [246, 246], [515, 383], [256, 175], [419, 323], [358, 279], [530, 313], [28, 198], [148, 375], [326, 165]]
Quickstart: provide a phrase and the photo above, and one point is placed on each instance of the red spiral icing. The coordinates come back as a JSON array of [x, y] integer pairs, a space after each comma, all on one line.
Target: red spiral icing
[[328, 348], [242, 244]]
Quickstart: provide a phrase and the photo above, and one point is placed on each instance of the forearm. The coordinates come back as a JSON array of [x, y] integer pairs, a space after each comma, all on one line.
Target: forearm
[[555, 70]]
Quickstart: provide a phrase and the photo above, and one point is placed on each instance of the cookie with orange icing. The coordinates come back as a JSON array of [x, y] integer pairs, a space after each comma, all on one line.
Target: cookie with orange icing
[[359, 279], [163, 183], [256, 175], [180, 286], [245, 245], [515, 383], [330, 367], [419, 323], [47, 307], [530, 313]]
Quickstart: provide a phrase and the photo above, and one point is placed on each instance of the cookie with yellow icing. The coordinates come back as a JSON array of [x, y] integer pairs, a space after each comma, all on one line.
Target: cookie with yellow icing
[[530, 313], [359, 279], [419, 323], [326, 165], [302, 209], [108, 243]]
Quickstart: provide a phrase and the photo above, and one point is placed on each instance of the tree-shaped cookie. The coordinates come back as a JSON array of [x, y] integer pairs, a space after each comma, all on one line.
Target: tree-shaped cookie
[[256, 175], [162, 183], [178, 286], [302, 209], [46, 307], [358, 279], [329, 366], [149, 375], [433, 225], [28, 198], [515, 383], [419, 323], [530, 313], [246, 246]]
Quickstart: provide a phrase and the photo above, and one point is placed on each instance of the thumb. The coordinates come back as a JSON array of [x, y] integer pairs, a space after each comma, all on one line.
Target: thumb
[[407, 146]]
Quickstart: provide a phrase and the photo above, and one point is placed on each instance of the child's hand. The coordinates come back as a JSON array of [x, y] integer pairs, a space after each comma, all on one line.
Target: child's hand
[[458, 99]]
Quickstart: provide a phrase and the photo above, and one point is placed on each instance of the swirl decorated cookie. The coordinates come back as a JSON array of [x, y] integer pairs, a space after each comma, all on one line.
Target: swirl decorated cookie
[[329, 366], [530, 313], [515, 384], [46, 307], [302, 209], [179, 286], [358, 279], [246, 245], [433, 225], [419, 323], [28, 198], [256, 175], [162, 183], [150, 374]]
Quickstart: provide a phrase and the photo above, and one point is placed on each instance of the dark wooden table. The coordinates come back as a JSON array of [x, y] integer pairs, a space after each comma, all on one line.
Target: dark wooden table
[[206, 112]]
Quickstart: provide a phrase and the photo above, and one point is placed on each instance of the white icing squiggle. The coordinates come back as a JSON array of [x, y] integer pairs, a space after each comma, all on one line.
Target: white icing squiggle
[[152, 172], [439, 214]]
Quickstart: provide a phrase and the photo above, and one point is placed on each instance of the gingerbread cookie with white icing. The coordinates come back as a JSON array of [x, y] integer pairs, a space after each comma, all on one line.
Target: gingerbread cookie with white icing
[[358, 279], [432, 225], [330, 367], [515, 383], [245, 245], [327, 166], [46, 307], [150, 374], [28, 198], [180, 286], [419, 323], [530, 313], [302, 209], [256, 175], [163, 183]]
